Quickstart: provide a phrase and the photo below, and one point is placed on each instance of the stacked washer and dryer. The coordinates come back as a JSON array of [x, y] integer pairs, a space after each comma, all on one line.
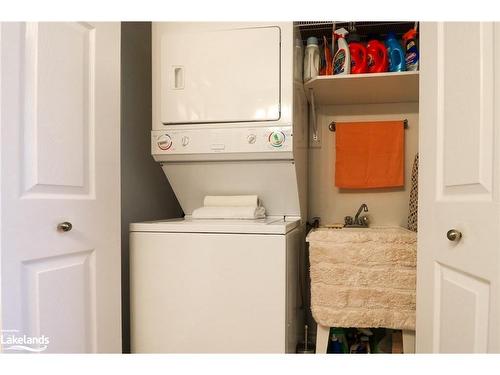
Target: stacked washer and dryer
[[229, 118]]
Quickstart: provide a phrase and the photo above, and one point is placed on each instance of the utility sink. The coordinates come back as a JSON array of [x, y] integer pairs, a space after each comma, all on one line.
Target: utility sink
[[367, 247], [363, 277], [362, 234]]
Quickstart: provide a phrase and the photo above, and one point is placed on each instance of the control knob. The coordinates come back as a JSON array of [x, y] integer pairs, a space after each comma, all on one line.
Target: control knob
[[251, 138], [164, 142], [276, 138]]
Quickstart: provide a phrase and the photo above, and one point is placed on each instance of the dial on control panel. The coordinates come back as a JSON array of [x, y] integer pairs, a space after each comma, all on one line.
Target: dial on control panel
[[276, 138], [164, 142], [252, 138]]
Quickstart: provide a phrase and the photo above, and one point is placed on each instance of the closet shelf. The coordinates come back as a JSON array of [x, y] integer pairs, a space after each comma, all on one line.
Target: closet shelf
[[373, 88]]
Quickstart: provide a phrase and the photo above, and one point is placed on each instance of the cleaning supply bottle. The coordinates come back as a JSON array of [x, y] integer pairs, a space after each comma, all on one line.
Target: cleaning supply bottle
[[397, 62], [342, 59], [411, 50], [378, 61], [327, 68], [311, 59], [359, 58]]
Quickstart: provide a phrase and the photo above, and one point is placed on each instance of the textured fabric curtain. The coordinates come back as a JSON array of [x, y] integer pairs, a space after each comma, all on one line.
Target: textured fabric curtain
[[413, 207]]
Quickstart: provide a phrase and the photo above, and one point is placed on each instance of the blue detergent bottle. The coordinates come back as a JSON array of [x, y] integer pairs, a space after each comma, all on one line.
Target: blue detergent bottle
[[395, 53]]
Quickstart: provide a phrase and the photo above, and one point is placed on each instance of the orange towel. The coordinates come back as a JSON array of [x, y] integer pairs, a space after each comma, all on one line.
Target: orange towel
[[369, 154]]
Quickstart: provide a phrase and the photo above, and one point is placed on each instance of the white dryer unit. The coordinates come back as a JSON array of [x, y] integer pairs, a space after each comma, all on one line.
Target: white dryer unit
[[230, 113], [209, 286], [229, 118]]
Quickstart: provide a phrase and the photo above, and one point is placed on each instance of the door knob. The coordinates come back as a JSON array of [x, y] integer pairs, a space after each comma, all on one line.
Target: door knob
[[65, 226], [454, 235]]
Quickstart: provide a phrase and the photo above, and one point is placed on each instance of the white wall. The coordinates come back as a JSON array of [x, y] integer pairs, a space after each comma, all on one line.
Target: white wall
[[386, 206]]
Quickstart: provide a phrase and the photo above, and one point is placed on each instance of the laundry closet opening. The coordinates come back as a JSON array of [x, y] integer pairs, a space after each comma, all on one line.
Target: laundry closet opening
[[360, 97], [250, 145]]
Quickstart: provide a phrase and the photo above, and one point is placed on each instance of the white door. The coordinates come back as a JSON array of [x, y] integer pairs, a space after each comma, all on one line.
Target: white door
[[203, 69], [458, 291], [60, 102]]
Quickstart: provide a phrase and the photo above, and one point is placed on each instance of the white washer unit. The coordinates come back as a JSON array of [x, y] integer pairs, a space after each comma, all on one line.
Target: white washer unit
[[215, 286], [229, 118]]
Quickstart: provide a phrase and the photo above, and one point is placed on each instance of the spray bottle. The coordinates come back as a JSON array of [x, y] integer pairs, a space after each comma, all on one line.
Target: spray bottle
[[342, 59]]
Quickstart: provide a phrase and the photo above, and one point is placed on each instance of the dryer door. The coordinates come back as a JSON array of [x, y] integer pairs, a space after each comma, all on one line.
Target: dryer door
[[214, 76]]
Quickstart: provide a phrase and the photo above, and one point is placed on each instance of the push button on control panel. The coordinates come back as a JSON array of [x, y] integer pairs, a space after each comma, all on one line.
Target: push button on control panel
[[218, 147], [251, 138], [276, 138], [164, 142]]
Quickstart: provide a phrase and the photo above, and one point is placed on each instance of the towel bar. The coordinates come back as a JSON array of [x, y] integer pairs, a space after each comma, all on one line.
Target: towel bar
[[333, 125]]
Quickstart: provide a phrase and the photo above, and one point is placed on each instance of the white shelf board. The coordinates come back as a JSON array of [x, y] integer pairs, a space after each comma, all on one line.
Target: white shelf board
[[398, 87]]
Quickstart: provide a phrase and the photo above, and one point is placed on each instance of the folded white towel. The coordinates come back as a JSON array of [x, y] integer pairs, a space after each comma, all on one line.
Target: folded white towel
[[229, 213], [231, 201]]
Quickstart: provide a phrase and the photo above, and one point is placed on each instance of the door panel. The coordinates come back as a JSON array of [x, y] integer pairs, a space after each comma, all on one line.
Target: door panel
[[202, 69], [59, 61], [465, 88], [457, 282], [60, 162], [61, 300], [462, 310]]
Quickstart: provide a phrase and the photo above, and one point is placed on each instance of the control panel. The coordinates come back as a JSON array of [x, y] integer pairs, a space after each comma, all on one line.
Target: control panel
[[230, 140]]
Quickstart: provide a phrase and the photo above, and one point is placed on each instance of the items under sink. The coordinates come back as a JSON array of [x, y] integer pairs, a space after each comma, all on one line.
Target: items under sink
[[364, 341]]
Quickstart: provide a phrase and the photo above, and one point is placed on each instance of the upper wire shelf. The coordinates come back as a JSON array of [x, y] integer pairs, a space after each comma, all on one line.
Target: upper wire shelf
[[365, 29]]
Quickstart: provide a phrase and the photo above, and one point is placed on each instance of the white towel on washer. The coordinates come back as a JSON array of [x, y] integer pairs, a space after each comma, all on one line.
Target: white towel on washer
[[229, 213], [231, 201]]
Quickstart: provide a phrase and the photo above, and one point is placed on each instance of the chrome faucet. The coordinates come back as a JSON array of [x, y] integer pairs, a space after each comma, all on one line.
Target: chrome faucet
[[358, 221], [362, 208]]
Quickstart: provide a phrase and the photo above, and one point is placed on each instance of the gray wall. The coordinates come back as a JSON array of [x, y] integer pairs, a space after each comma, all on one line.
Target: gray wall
[[145, 191]]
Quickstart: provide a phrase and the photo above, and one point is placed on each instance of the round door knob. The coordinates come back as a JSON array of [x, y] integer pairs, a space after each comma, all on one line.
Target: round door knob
[[65, 226], [454, 235]]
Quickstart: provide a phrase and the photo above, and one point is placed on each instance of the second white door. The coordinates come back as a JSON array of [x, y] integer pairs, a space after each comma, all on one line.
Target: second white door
[[458, 281]]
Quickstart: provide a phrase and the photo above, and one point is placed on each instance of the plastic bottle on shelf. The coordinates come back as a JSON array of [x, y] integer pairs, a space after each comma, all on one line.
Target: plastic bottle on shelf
[[378, 61], [411, 50], [397, 61], [342, 59], [359, 58], [327, 67], [311, 59]]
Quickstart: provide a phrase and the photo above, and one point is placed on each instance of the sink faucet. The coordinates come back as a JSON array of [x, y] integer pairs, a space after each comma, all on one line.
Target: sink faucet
[[358, 221], [362, 208]]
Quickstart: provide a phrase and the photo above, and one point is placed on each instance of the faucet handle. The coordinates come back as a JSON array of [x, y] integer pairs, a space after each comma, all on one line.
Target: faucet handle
[[363, 220], [348, 220]]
